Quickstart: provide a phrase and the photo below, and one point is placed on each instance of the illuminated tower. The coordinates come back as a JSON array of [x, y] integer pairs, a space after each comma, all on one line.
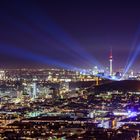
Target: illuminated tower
[[110, 61], [34, 92]]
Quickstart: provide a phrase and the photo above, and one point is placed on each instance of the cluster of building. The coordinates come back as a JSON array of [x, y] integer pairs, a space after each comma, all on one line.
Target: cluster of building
[[34, 107]]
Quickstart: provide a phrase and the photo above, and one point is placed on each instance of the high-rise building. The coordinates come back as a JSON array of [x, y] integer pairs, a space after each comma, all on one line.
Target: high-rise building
[[34, 90]]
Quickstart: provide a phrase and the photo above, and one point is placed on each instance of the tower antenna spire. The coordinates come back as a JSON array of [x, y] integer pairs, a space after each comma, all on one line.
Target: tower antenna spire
[[111, 62]]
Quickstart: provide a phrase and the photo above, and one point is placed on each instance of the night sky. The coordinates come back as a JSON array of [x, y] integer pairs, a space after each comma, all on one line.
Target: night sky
[[68, 33]]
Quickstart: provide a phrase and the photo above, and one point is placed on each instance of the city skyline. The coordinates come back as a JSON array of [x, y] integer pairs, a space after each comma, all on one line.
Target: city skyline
[[69, 70]]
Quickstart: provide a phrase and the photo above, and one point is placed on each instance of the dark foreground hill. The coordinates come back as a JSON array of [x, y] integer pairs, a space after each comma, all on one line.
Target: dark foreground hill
[[125, 85]]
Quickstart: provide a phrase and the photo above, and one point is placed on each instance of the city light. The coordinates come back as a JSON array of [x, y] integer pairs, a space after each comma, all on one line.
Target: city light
[[59, 78]]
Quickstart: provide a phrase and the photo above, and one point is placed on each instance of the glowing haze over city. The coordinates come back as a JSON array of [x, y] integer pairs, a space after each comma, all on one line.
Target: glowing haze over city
[[69, 33]]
